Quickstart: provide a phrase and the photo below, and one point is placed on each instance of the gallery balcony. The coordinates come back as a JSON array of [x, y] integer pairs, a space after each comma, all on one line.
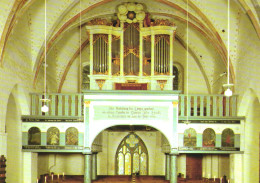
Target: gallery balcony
[[192, 106]]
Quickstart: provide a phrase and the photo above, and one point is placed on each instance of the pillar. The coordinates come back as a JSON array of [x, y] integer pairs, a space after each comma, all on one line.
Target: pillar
[[173, 172], [30, 166], [236, 168], [167, 167], [87, 169], [94, 166]]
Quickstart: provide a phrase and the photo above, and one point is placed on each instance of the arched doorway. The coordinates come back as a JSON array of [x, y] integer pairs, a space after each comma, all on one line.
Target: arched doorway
[[131, 156]]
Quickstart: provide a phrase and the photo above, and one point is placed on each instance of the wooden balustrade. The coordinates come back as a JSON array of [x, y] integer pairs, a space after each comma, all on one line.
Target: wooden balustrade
[[189, 105], [59, 104], [207, 106]]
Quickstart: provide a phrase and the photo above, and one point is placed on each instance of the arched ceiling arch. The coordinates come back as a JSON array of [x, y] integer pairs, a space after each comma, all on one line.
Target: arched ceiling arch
[[67, 25]]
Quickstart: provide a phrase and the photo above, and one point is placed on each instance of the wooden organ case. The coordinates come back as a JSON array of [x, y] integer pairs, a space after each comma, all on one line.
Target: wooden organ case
[[132, 49]]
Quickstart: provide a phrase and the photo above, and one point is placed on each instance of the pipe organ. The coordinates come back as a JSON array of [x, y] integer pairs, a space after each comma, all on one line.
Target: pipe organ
[[132, 49]]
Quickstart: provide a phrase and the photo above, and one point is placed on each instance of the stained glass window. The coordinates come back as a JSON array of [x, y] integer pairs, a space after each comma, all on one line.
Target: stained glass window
[[120, 159], [128, 164], [143, 168], [132, 156], [136, 162]]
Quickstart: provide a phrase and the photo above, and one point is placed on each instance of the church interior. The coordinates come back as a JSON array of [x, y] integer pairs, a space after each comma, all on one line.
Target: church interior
[[159, 91]]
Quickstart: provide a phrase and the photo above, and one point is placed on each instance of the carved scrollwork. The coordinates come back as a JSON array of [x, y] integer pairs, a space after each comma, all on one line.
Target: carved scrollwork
[[162, 22], [103, 36], [99, 21]]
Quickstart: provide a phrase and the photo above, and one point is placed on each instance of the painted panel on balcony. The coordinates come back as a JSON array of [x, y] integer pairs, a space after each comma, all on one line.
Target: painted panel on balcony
[[72, 136], [209, 138], [228, 138], [53, 136], [190, 138], [34, 136]]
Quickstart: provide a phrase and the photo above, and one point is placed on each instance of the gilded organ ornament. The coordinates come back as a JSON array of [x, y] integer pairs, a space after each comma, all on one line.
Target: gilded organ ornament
[[131, 12]]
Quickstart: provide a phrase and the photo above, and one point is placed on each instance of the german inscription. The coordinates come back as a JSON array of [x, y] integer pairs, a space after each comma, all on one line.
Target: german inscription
[[131, 112]]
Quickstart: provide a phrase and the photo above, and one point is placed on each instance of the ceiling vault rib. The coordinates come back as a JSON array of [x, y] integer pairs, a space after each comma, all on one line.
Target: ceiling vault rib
[[58, 33], [10, 22], [252, 17]]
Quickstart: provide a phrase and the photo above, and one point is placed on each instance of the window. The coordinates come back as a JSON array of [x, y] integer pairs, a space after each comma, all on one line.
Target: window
[[131, 156]]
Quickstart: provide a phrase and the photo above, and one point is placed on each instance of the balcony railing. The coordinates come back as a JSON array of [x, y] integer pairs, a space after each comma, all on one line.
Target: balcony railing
[[207, 106], [189, 105], [59, 104]]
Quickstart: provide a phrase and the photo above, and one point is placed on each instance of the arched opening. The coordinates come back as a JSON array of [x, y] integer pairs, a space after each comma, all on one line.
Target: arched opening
[[130, 149]]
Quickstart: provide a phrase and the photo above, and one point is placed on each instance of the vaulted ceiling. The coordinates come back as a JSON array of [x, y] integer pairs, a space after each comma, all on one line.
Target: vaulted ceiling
[[202, 24]]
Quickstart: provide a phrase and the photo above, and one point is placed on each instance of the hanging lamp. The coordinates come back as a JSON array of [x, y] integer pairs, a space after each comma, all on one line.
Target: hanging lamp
[[45, 100], [228, 92]]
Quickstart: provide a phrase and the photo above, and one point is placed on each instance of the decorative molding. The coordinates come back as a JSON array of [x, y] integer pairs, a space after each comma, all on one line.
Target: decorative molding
[[162, 22], [87, 103], [223, 121], [99, 21], [36, 119]]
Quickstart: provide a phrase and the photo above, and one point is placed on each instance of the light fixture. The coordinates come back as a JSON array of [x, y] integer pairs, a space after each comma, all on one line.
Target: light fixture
[[228, 92], [45, 108], [187, 63]]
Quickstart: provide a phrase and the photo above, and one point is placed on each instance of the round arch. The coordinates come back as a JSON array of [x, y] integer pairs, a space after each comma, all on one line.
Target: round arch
[[95, 135]]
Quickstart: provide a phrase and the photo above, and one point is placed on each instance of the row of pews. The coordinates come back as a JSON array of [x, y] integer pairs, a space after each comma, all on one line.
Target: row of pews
[[122, 179]]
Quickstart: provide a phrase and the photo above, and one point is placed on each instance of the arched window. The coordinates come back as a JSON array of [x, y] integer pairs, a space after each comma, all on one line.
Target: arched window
[[85, 78], [178, 80], [190, 138], [209, 138], [53, 136], [131, 156], [175, 84], [227, 138], [34, 136], [72, 136]]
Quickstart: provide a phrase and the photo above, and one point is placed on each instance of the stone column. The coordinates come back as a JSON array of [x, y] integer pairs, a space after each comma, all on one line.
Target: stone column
[[236, 168], [87, 169], [30, 164], [167, 167], [94, 166], [173, 172]]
